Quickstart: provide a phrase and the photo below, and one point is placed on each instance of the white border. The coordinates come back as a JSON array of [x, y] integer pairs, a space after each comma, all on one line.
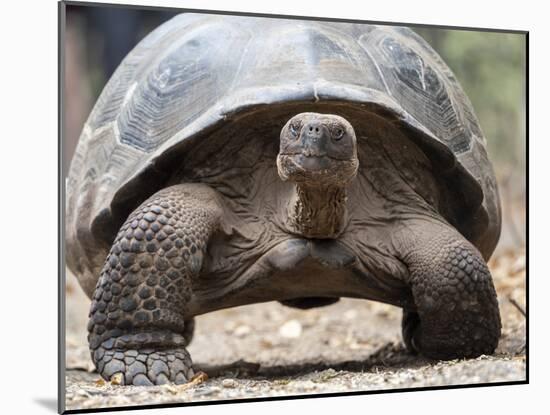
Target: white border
[[29, 202]]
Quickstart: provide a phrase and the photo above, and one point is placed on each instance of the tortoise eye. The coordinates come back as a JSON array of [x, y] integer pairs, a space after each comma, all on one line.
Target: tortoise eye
[[293, 129], [338, 133]]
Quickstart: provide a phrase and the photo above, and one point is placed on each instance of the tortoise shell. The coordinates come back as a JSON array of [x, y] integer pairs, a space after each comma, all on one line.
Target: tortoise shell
[[197, 75]]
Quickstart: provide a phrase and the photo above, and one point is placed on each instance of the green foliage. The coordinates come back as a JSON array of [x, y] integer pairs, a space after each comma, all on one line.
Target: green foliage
[[491, 69]]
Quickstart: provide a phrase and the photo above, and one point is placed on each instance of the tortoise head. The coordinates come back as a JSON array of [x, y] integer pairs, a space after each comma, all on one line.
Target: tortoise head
[[317, 150]]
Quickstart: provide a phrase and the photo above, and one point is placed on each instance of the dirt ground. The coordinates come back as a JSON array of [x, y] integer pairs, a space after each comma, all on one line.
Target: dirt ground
[[271, 350]]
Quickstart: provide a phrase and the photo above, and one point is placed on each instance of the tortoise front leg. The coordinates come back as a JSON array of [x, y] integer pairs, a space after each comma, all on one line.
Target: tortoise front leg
[[457, 311], [137, 326]]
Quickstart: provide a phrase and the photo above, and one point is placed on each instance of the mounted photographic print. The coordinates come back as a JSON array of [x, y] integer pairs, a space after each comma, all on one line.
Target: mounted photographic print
[[267, 207]]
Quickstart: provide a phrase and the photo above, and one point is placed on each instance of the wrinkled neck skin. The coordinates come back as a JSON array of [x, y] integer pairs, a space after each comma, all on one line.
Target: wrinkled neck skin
[[317, 211]]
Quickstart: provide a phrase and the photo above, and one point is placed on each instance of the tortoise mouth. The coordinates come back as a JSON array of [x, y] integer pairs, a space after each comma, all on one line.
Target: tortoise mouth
[[321, 169], [312, 162]]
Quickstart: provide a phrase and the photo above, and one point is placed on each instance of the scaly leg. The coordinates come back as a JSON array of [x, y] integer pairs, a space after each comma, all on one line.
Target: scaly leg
[[457, 311], [136, 325]]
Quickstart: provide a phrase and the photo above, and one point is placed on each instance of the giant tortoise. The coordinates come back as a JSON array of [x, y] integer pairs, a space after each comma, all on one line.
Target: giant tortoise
[[235, 160]]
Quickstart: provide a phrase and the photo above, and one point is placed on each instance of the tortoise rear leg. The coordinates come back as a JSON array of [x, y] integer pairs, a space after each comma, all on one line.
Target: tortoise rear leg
[[457, 311], [137, 326]]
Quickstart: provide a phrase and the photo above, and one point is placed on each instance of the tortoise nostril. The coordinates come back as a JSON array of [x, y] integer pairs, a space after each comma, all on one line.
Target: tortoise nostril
[[310, 128], [316, 129]]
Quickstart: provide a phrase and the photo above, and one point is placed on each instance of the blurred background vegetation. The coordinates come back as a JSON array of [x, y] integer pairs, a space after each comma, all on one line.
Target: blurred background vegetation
[[490, 67]]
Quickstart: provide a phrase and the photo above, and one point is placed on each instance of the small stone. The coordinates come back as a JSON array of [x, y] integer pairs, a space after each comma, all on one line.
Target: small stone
[[242, 331], [350, 314], [117, 379], [208, 391], [100, 382], [291, 329], [229, 383]]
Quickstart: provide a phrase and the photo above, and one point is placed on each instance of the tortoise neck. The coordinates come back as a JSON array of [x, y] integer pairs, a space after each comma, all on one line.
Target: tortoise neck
[[317, 211]]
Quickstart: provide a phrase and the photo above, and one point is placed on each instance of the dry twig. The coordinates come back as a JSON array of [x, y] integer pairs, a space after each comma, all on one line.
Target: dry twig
[[515, 304]]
